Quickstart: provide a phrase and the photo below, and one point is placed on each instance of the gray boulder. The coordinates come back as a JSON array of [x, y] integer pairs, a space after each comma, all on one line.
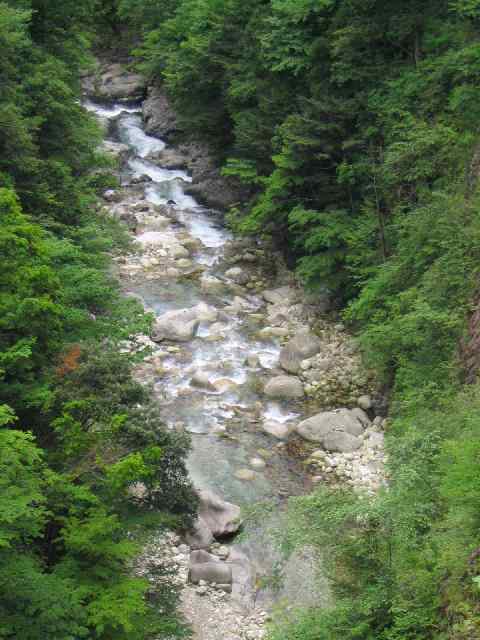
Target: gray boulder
[[212, 572], [284, 388], [302, 346], [336, 430], [221, 517], [178, 326], [341, 442]]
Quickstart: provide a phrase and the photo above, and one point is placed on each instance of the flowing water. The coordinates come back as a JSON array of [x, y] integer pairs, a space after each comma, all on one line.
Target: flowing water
[[214, 458]]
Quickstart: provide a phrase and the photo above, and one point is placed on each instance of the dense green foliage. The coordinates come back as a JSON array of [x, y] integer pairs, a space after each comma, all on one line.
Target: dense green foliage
[[77, 433], [355, 125]]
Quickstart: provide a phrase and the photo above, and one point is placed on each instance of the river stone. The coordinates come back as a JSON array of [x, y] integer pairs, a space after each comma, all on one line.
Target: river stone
[[258, 464], [303, 345], [253, 361], [238, 275], [206, 313], [284, 388], [245, 474], [221, 517], [341, 441], [275, 429], [362, 416], [212, 572], [178, 326], [322, 427], [201, 381], [110, 195], [178, 252], [115, 150], [364, 402], [210, 284], [224, 385], [282, 295]]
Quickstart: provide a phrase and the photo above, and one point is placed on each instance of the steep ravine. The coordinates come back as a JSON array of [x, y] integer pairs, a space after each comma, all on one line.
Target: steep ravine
[[275, 397]]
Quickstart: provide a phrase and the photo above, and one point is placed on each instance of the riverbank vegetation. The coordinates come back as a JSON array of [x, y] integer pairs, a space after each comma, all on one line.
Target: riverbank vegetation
[[355, 125], [77, 433]]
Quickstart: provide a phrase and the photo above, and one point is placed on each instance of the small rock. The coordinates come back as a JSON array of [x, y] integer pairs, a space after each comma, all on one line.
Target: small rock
[[257, 463], [364, 402], [245, 474]]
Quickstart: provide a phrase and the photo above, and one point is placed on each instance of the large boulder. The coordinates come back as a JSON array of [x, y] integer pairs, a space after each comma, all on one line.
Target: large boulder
[[284, 388], [178, 326], [303, 345], [335, 430], [212, 572], [221, 517], [115, 83]]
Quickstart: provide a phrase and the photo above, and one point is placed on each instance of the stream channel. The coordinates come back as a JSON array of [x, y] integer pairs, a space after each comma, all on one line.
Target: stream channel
[[215, 459]]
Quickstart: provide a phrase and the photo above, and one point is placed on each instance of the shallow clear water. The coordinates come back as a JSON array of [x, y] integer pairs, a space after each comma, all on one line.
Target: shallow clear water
[[215, 456]]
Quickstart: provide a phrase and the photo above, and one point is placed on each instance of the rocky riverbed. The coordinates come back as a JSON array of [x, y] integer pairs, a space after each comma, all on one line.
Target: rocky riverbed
[[273, 393]]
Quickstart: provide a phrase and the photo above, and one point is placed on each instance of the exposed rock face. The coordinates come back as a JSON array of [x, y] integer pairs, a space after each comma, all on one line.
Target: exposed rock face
[[178, 326], [304, 345], [335, 430], [284, 388], [114, 83], [208, 186], [159, 117]]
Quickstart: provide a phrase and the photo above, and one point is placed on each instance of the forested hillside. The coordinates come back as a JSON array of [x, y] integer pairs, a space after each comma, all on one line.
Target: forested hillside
[[76, 431], [355, 125]]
